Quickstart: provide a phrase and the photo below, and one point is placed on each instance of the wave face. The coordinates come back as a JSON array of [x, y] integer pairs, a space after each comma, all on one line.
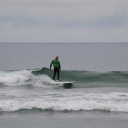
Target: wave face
[[90, 79], [34, 89], [43, 77]]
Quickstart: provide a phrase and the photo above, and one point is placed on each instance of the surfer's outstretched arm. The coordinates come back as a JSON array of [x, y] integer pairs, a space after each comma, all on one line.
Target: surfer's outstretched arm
[[59, 67], [50, 66]]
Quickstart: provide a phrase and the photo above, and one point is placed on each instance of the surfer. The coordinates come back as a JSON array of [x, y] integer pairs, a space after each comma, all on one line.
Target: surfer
[[57, 67]]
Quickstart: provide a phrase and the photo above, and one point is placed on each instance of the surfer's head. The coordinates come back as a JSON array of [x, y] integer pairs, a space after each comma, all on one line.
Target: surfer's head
[[57, 57]]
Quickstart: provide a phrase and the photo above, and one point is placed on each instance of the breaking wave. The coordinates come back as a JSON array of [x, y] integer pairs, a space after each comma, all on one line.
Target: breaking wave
[[43, 77]]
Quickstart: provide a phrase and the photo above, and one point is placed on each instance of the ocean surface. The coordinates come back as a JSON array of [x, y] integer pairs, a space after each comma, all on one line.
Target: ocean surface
[[99, 69]]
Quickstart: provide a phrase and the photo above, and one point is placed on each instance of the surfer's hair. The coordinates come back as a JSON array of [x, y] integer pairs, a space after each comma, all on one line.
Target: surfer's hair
[[56, 57]]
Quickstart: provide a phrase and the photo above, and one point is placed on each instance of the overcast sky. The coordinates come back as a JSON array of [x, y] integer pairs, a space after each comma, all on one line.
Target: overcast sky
[[63, 20]]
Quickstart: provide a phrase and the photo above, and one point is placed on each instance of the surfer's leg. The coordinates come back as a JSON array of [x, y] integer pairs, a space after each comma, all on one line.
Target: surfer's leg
[[54, 74], [58, 73]]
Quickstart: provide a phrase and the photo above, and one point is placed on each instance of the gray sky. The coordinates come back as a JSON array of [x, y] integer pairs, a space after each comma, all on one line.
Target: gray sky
[[63, 20]]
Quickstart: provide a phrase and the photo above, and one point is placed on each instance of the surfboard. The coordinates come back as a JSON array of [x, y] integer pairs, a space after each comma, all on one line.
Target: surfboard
[[66, 84]]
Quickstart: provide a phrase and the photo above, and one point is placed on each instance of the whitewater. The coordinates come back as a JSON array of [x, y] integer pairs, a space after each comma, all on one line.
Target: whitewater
[[24, 90]]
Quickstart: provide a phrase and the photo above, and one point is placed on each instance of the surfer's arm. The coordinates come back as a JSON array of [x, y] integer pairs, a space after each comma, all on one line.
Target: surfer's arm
[[59, 67], [50, 65]]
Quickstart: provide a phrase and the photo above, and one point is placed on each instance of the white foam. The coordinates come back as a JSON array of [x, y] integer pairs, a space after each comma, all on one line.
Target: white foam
[[24, 77], [15, 77], [67, 101], [40, 80]]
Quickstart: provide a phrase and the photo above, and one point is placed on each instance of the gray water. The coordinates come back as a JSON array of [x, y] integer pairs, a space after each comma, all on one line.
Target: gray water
[[99, 98], [73, 56]]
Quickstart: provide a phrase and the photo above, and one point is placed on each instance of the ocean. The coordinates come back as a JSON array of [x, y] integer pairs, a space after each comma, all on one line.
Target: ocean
[[98, 98]]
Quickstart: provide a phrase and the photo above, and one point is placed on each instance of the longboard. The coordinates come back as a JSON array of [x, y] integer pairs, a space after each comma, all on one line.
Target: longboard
[[67, 84]]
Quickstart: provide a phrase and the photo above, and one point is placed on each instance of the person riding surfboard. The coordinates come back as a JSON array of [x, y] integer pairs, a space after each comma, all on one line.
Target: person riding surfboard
[[57, 67]]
